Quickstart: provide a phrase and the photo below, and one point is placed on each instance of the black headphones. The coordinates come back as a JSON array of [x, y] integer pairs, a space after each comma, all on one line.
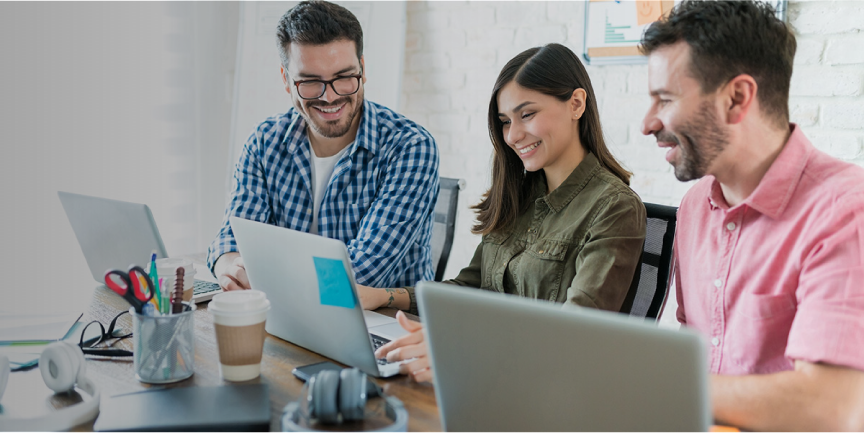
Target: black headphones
[[331, 397]]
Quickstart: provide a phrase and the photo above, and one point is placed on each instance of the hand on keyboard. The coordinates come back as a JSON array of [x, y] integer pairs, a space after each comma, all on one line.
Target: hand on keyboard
[[407, 347]]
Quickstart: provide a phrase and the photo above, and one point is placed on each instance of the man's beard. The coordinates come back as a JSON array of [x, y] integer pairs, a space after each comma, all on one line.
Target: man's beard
[[702, 140], [334, 128]]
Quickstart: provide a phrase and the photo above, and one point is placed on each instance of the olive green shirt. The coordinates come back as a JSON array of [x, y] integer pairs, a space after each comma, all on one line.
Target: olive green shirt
[[578, 245]]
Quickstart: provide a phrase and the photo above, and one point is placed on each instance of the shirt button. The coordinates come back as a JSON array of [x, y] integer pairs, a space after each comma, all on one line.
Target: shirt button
[[718, 283], [730, 226], [715, 341]]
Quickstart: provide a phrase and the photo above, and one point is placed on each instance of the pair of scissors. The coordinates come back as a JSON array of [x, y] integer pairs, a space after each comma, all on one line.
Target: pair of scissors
[[135, 286]]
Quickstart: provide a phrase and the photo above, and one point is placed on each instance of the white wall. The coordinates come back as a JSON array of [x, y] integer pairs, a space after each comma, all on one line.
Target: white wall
[[114, 99], [259, 89], [454, 51], [132, 101]]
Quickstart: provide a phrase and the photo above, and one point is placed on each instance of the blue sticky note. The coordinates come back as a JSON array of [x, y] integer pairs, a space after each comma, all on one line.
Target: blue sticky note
[[334, 287]]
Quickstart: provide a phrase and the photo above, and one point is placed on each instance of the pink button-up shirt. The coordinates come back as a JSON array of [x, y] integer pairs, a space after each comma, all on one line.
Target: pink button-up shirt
[[779, 277]]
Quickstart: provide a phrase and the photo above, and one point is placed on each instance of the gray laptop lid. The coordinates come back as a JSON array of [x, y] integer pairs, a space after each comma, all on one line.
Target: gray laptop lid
[[235, 407], [112, 234], [281, 263], [503, 363]]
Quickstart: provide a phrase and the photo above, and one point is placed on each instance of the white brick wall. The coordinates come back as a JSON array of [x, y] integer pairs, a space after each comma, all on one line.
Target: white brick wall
[[454, 51]]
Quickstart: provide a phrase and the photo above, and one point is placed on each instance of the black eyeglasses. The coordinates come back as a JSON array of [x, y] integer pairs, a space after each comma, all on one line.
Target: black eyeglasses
[[314, 89], [92, 336]]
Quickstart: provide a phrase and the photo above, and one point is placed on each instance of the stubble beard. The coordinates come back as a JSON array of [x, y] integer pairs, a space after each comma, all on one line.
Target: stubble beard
[[702, 140], [334, 128]]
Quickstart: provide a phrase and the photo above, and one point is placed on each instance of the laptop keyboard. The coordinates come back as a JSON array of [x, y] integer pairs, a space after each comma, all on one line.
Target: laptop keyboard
[[204, 287], [378, 342]]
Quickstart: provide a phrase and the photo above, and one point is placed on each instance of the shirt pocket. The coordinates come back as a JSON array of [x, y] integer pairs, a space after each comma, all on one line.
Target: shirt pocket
[[541, 268], [758, 330], [766, 306]]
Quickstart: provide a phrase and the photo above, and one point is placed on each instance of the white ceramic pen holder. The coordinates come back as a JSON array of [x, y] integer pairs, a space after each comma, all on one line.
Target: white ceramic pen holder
[[164, 346]]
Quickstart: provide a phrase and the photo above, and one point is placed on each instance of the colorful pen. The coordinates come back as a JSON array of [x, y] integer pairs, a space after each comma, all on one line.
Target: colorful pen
[[154, 277]]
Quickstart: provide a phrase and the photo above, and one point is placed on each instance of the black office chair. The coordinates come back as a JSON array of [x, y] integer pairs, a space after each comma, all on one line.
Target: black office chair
[[444, 223], [653, 284]]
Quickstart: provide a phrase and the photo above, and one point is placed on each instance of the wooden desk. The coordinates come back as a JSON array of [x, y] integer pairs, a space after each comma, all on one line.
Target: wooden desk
[[280, 357]]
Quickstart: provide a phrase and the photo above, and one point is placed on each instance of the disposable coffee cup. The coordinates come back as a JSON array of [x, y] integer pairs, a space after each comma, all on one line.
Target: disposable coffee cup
[[239, 318], [167, 270]]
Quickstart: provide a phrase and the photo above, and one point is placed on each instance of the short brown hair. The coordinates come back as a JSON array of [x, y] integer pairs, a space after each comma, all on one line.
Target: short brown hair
[[729, 38], [317, 23]]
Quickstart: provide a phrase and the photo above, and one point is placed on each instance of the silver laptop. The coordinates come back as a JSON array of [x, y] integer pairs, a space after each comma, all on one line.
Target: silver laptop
[[114, 234], [313, 296], [503, 363]]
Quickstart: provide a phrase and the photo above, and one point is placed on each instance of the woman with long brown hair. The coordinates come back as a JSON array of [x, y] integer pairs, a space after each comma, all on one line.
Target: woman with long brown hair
[[560, 222]]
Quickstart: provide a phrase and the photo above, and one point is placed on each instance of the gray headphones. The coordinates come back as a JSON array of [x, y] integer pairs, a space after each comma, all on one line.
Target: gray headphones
[[331, 397]]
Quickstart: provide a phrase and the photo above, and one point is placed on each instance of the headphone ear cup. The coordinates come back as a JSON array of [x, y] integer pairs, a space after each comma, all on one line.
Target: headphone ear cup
[[61, 365], [324, 389], [352, 394], [4, 374]]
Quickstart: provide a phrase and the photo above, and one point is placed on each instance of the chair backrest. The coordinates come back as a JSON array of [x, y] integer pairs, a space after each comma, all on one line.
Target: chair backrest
[[444, 223], [656, 262]]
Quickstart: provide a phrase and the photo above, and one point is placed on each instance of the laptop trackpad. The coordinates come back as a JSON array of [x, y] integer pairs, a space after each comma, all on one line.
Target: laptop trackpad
[[374, 319], [390, 331]]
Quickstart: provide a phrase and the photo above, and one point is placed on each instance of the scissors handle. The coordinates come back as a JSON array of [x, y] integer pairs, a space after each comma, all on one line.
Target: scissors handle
[[118, 281], [135, 286], [142, 285]]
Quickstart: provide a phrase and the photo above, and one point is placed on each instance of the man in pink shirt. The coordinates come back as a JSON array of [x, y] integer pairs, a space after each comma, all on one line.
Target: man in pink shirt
[[770, 240]]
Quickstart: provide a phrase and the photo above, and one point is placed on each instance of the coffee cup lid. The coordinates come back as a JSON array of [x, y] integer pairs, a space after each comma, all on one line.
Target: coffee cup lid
[[239, 301], [172, 263]]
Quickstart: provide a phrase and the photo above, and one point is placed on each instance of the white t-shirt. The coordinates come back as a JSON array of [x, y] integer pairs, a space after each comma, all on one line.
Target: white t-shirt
[[322, 171]]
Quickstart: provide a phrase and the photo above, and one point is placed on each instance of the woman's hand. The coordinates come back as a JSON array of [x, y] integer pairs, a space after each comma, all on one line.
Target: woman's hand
[[371, 298], [409, 346]]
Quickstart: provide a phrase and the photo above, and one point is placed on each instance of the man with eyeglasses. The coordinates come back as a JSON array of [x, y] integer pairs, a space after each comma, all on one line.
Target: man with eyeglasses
[[335, 164]]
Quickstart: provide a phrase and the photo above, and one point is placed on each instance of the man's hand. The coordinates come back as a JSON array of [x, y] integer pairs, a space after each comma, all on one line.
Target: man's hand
[[231, 272], [812, 397], [410, 346], [371, 298]]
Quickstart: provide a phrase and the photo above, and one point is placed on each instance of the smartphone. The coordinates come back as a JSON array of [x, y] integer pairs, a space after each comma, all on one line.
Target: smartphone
[[305, 372]]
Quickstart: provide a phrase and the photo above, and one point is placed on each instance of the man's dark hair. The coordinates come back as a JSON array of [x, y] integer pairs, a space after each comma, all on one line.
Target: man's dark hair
[[729, 38], [317, 23]]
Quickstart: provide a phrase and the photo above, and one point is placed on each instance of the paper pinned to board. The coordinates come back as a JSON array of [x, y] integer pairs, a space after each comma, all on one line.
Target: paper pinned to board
[[613, 29], [334, 286], [648, 11]]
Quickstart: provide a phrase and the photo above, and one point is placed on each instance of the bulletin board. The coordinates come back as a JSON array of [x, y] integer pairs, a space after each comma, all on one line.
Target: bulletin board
[[613, 28]]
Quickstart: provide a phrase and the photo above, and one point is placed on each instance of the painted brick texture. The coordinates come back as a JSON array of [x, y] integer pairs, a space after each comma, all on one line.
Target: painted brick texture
[[454, 51]]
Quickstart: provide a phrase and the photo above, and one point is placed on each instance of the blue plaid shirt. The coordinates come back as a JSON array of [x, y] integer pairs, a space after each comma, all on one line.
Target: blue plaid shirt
[[379, 202]]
